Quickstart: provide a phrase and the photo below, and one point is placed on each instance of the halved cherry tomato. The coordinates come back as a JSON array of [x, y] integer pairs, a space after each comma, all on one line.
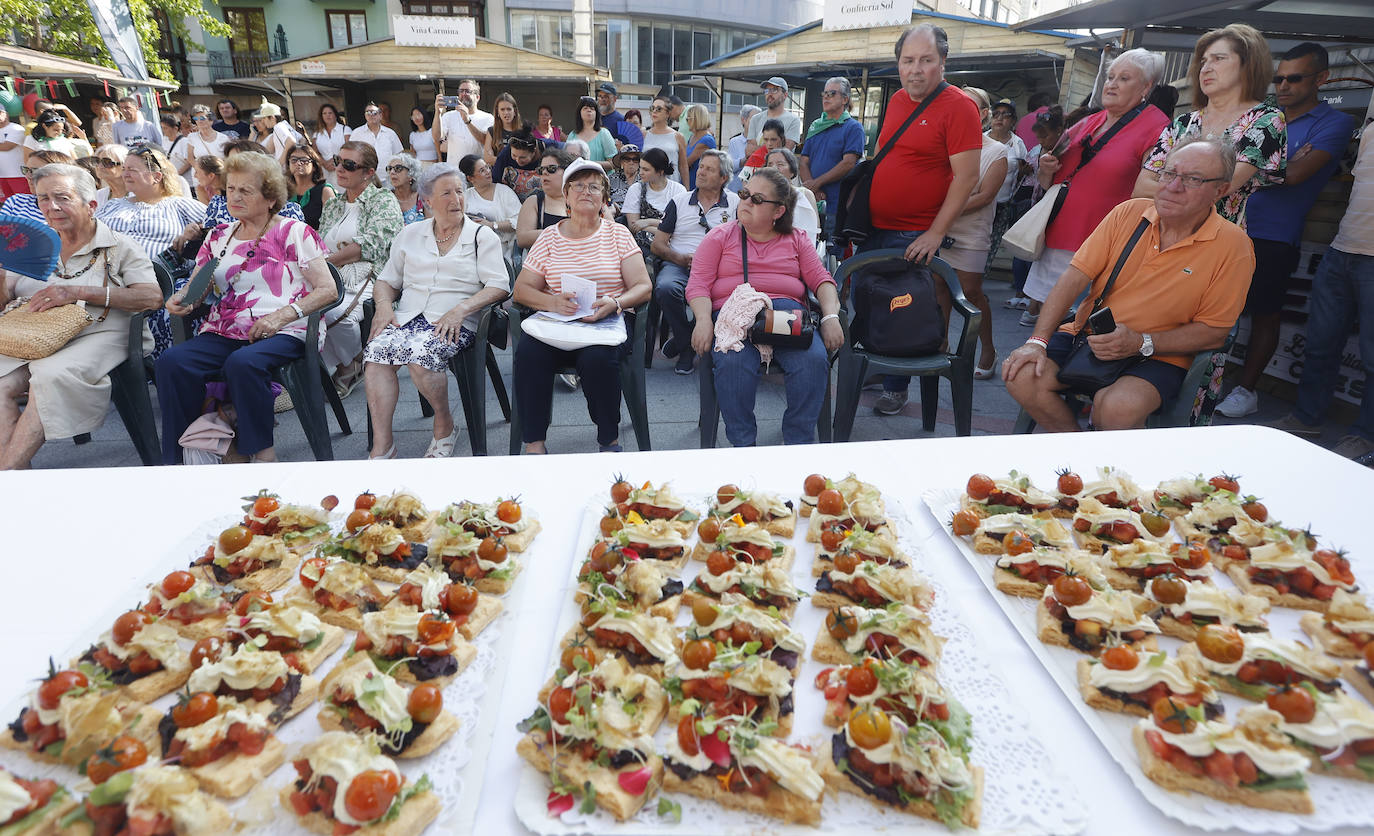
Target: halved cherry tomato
[[434, 628], [687, 738], [252, 601], [208, 649], [311, 570]]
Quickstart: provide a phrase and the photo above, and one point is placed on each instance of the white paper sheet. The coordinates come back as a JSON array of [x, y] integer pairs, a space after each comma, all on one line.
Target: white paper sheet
[[583, 290]]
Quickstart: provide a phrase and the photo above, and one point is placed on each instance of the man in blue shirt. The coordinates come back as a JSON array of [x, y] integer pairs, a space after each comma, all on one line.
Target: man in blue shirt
[[1317, 137], [613, 120], [133, 129], [834, 144]]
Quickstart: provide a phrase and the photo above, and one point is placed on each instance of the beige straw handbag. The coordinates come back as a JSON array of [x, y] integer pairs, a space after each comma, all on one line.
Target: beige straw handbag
[[26, 335]]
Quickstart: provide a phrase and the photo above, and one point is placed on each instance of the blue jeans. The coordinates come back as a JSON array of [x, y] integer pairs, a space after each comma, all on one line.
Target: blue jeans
[[883, 239], [806, 373], [1342, 289]]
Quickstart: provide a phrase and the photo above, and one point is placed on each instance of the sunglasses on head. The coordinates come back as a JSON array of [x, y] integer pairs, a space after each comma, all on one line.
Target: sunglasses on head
[[548, 169], [347, 165], [757, 199], [522, 143]]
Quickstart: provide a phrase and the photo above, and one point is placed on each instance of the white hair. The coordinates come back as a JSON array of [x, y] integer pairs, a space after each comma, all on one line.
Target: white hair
[[840, 80], [412, 165], [727, 165], [578, 149], [1151, 64], [81, 179], [434, 173]]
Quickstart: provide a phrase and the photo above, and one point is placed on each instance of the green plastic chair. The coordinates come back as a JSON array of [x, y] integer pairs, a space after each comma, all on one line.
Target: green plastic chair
[[856, 363], [632, 386], [129, 383]]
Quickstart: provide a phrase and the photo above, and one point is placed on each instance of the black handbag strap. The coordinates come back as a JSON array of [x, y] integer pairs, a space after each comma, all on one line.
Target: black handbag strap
[[892, 141], [1121, 262], [744, 259], [1091, 150]]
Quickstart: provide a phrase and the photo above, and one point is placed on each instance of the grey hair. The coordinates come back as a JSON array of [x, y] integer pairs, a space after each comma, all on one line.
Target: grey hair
[[1149, 63], [200, 108], [119, 152], [436, 172], [1222, 148], [412, 165], [748, 112], [81, 179], [727, 165], [786, 155], [840, 80], [936, 34], [578, 149]]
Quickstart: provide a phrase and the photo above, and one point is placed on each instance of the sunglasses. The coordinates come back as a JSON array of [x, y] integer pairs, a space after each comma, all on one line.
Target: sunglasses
[[106, 163], [757, 199], [522, 143], [701, 218], [391, 169], [46, 122], [200, 118], [372, 112], [658, 109], [300, 161], [348, 165], [26, 170], [1291, 78], [547, 169]]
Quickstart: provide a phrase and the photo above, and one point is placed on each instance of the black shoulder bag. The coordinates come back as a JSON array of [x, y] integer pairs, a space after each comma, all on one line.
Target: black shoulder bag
[[1091, 150], [780, 329], [853, 215], [1083, 372]]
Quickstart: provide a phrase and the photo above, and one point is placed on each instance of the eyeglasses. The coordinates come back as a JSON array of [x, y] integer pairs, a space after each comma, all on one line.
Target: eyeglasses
[[1189, 181], [1291, 78], [348, 165], [757, 199], [547, 169], [26, 170], [586, 188], [372, 111], [395, 168], [830, 93]]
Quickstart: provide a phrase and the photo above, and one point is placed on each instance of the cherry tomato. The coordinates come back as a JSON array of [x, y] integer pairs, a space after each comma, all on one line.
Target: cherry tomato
[[620, 491], [814, 484], [461, 599], [234, 539], [128, 624], [1255, 509], [699, 654], [1172, 716], [498, 551], [365, 501], [560, 701], [370, 794], [1195, 557], [831, 537], [610, 525], [1168, 589], [719, 562], [177, 583], [194, 709], [861, 681], [725, 494], [1069, 482], [1120, 658], [708, 530], [358, 519], [264, 505], [509, 511], [424, 703], [434, 629], [329, 503], [208, 649], [606, 560], [1295, 704], [311, 570], [869, 727], [704, 610], [1016, 542], [124, 752], [687, 739], [1369, 656], [1155, 523], [830, 502], [251, 602], [1225, 482], [964, 523], [846, 562], [51, 691], [1072, 590], [573, 652], [1221, 644], [980, 486], [841, 625]]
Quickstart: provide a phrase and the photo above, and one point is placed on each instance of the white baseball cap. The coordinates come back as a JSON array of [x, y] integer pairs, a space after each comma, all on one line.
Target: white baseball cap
[[581, 165]]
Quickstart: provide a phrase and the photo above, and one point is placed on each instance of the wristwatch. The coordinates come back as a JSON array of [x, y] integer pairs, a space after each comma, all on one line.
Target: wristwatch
[[1147, 345]]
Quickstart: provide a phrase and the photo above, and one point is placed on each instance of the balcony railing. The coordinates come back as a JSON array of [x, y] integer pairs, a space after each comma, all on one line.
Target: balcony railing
[[225, 64]]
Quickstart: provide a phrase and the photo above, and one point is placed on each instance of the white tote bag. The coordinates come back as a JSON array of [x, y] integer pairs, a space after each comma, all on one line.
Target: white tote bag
[[1026, 238], [576, 334]]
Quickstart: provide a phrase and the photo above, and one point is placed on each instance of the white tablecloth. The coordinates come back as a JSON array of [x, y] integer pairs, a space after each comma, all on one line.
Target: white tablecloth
[[79, 541]]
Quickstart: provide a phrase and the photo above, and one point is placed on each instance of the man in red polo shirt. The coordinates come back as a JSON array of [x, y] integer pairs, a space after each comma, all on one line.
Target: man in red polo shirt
[[921, 186]]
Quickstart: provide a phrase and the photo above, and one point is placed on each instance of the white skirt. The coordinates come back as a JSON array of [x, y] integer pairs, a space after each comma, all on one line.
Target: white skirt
[[1045, 272]]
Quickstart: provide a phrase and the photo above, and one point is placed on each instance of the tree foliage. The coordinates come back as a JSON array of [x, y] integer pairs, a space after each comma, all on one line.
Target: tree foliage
[[65, 27]]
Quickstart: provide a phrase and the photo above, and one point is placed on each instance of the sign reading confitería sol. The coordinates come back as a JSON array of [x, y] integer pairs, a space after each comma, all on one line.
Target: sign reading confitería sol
[[421, 30], [865, 14]]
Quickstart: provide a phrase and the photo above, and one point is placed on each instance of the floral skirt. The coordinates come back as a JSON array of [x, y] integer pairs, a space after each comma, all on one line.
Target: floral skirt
[[416, 342]]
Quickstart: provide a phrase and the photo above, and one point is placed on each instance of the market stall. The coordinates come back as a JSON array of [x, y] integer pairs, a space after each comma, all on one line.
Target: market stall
[[83, 544]]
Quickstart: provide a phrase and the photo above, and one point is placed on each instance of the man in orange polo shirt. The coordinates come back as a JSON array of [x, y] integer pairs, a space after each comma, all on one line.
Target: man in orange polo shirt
[[1179, 293]]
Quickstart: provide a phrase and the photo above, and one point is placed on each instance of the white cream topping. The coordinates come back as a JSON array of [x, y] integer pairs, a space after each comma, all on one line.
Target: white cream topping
[[173, 791], [1349, 613], [1145, 674], [205, 597], [748, 533], [660, 497], [343, 756], [216, 728], [246, 669], [771, 579], [736, 608], [792, 768], [1098, 514], [907, 624], [158, 639], [269, 550], [432, 581], [769, 504], [1340, 720], [1286, 556], [654, 534], [1045, 530], [1024, 488], [287, 620], [1121, 612], [928, 755], [652, 631], [13, 797], [1296, 655], [1082, 563], [891, 582], [377, 694], [1212, 735], [1110, 479], [1205, 599]]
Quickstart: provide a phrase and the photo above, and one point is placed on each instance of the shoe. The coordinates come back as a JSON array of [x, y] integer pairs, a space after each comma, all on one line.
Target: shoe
[[389, 454], [980, 373], [686, 361], [1238, 403], [1290, 423], [890, 403], [1353, 446], [613, 447], [670, 348], [283, 403], [569, 381], [1017, 303], [442, 448], [1028, 319]]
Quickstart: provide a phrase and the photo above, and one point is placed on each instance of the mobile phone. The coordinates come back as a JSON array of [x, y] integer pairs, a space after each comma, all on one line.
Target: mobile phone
[[1102, 322], [452, 101]]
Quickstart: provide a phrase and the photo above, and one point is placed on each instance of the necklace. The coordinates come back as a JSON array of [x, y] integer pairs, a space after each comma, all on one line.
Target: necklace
[[253, 248], [442, 241], [58, 273]]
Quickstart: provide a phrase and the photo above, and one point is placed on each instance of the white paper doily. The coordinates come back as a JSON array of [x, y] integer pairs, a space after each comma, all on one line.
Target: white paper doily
[[1339, 802], [1024, 790]]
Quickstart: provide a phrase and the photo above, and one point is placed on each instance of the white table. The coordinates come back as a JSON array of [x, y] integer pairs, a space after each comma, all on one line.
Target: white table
[[77, 536]]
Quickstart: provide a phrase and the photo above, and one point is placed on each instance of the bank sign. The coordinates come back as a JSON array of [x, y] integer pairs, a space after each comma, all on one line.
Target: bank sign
[[421, 30], [865, 14]]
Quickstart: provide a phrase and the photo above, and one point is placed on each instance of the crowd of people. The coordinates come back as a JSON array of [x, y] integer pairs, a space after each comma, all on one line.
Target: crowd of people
[[1184, 222]]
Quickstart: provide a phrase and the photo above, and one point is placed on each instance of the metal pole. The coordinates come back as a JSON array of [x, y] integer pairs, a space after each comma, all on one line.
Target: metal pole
[[720, 109]]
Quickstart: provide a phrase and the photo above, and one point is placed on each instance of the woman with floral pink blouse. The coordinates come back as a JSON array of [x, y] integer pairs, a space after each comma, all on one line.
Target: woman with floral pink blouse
[[269, 276]]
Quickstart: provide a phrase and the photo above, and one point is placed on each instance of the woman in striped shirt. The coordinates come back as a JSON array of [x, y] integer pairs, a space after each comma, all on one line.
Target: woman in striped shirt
[[587, 245]]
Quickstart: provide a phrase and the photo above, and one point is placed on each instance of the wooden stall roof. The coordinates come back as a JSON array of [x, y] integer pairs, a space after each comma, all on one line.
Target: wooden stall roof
[[383, 59], [28, 63]]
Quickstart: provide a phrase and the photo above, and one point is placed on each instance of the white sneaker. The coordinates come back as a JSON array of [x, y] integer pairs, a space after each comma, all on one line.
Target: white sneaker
[[1028, 319], [1017, 303], [569, 381], [1239, 403]]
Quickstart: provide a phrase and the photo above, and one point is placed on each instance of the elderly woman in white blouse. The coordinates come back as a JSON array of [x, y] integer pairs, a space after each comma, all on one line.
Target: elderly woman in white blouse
[[445, 269]]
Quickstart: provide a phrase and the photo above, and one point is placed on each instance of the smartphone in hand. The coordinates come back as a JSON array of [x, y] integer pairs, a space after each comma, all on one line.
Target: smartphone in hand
[[1102, 321]]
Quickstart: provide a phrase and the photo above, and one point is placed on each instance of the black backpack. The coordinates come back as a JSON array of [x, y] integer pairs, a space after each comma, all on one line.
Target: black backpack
[[895, 309]]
